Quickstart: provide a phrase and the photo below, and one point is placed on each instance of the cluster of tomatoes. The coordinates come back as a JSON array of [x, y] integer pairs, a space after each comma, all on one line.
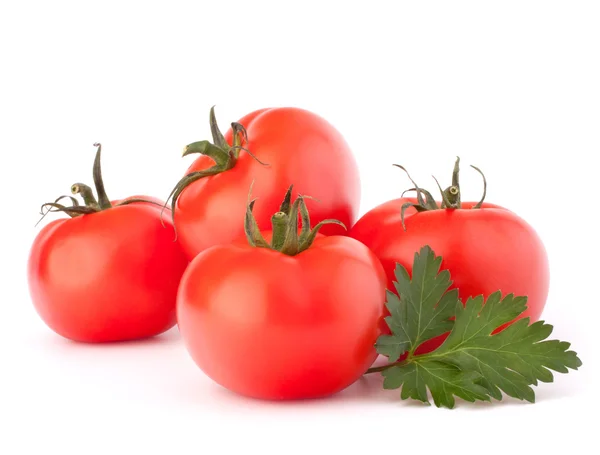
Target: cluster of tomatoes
[[267, 305]]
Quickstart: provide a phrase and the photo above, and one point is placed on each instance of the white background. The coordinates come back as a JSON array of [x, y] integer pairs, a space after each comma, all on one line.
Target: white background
[[512, 87]]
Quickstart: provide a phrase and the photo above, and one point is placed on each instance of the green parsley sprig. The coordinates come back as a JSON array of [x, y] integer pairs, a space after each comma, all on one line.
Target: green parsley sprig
[[472, 363]]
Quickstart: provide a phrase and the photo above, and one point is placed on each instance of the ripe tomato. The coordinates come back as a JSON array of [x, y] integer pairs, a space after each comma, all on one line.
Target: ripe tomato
[[275, 325], [109, 274], [485, 249], [296, 146]]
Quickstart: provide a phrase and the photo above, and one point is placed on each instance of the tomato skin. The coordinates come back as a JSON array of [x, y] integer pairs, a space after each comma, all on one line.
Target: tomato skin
[[277, 327], [300, 148], [107, 276], [485, 250]]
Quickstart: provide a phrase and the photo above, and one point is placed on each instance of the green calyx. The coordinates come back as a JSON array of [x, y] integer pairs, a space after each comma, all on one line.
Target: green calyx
[[286, 238], [224, 155], [451, 196], [90, 203]]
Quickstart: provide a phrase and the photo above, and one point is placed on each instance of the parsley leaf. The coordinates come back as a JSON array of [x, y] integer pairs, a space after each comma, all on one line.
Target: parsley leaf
[[443, 379], [421, 310], [472, 363], [512, 359]]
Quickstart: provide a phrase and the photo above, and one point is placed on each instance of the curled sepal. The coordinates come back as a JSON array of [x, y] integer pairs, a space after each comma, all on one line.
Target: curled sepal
[[74, 201], [237, 149], [72, 211], [185, 182], [103, 200], [419, 196], [240, 136], [48, 207], [480, 203], [445, 202], [253, 234], [286, 205], [305, 221], [313, 233], [405, 207], [218, 137], [430, 203]]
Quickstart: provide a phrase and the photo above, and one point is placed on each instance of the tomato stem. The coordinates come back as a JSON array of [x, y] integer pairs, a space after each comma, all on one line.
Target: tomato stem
[[91, 204], [454, 190], [86, 193], [280, 222], [224, 155], [285, 237], [451, 196]]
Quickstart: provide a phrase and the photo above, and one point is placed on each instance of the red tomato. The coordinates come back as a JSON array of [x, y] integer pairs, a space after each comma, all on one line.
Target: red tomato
[[272, 326], [485, 249], [106, 276], [300, 148]]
